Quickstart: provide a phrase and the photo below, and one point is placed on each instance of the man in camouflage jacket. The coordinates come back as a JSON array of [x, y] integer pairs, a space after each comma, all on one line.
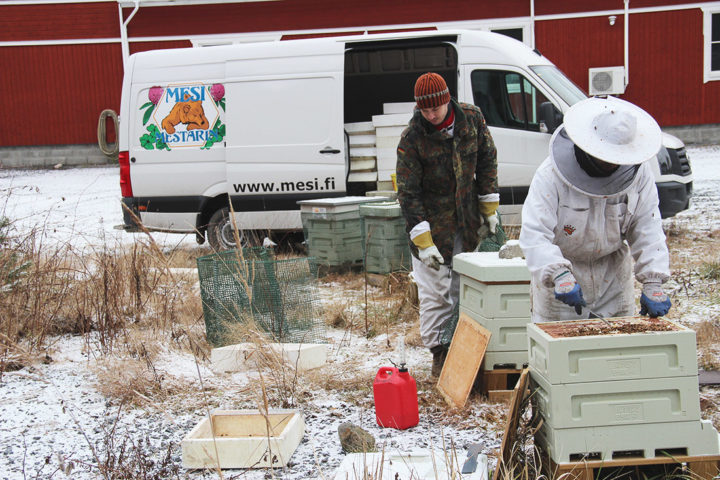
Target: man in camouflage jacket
[[447, 187]]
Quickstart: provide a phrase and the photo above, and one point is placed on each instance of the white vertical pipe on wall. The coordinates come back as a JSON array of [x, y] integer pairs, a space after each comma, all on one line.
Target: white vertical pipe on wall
[[627, 42], [123, 31], [532, 24]]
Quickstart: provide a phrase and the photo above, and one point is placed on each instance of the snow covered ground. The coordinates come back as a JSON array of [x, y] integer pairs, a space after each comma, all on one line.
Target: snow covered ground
[[52, 414]]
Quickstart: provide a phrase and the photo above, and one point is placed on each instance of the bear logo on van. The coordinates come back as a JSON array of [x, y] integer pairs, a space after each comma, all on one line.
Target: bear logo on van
[[188, 113], [183, 115]]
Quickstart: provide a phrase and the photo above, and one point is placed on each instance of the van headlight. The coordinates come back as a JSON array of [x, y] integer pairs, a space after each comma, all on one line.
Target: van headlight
[[664, 161]]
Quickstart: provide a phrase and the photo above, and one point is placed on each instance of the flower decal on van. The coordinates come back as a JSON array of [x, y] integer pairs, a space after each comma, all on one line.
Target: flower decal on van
[[183, 115]]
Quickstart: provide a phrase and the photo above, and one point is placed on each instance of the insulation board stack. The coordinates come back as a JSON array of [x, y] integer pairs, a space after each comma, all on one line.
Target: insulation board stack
[[363, 161], [388, 128], [333, 229], [495, 292], [604, 394], [386, 242]]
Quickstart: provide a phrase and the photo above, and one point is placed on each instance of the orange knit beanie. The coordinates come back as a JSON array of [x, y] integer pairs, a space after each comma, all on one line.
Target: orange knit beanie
[[431, 91]]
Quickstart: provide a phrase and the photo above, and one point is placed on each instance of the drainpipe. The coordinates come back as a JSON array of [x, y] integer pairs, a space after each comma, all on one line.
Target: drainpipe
[[532, 24], [627, 41], [123, 31]]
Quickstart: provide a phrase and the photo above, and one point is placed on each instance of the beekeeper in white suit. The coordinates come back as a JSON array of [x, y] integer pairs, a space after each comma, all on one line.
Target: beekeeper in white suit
[[591, 205]]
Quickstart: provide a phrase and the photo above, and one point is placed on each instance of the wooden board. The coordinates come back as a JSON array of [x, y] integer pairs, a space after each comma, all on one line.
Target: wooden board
[[511, 426], [466, 353]]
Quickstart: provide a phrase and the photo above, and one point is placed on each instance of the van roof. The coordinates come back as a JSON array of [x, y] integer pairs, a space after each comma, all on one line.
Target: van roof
[[473, 47]]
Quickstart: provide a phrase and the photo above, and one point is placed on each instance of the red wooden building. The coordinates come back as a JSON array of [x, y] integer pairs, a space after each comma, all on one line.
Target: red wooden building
[[62, 60]]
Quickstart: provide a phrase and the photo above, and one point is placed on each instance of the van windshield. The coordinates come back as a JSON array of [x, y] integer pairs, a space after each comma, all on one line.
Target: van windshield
[[561, 84]]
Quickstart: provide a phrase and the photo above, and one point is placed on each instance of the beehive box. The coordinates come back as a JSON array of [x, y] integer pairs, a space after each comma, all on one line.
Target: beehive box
[[507, 334], [628, 348], [516, 359], [621, 441], [386, 245], [243, 439], [493, 287], [622, 402], [333, 229]]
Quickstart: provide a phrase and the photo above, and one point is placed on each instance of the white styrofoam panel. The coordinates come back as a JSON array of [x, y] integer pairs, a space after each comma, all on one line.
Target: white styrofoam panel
[[416, 465], [387, 142], [386, 164], [392, 119], [489, 267], [649, 440], [363, 152], [389, 131], [362, 163], [507, 334], [365, 140], [359, 128], [243, 356], [243, 439], [621, 402], [495, 300], [516, 359], [398, 107], [362, 176], [386, 153], [385, 175], [335, 204], [611, 357]]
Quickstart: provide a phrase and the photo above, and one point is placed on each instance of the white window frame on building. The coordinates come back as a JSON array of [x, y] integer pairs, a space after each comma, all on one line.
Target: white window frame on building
[[711, 40]]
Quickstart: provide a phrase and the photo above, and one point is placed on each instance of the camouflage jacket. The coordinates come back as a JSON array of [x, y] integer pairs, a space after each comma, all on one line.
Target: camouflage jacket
[[440, 177]]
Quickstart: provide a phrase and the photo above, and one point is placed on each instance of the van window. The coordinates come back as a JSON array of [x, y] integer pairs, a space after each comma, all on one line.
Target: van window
[[507, 99]]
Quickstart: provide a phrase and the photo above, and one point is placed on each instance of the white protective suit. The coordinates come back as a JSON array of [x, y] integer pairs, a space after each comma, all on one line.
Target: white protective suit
[[591, 226]]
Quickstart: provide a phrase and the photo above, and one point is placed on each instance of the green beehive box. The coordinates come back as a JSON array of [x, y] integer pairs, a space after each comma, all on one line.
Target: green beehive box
[[385, 241], [595, 404], [333, 229], [654, 440], [507, 334], [646, 353]]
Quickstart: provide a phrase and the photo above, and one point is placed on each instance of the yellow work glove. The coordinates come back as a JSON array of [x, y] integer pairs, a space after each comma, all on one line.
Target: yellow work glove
[[488, 209], [427, 251]]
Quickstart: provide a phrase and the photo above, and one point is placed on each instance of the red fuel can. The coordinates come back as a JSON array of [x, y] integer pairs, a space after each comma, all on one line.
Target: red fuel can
[[396, 403]]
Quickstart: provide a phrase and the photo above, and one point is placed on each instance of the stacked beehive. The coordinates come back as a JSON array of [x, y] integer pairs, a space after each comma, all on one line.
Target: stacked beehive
[[386, 242], [373, 144], [604, 394], [495, 292], [333, 229]]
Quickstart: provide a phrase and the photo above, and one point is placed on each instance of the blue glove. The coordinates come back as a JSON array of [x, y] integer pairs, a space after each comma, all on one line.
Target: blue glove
[[653, 301], [568, 291]]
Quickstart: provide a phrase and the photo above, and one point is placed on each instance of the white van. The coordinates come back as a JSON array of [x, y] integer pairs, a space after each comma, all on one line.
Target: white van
[[265, 125]]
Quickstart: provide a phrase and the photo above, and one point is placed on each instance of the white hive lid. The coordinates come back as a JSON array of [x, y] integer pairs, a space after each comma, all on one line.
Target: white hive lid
[[488, 267]]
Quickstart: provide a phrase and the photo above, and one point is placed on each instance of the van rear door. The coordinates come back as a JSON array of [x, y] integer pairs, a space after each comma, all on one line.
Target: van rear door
[[285, 137]]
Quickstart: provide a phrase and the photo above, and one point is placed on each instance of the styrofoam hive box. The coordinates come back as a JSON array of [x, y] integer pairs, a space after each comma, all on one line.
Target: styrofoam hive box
[[644, 440], [493, 287], [244, 356], [507, 334], [618, 356], [243, 439], [514, 359], [623, 402]]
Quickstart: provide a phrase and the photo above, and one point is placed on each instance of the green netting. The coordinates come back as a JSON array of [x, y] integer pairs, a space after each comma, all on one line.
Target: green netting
[[280, 297], [493, 242]]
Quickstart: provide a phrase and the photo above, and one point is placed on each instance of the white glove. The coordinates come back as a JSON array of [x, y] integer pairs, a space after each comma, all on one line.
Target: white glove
[[431, 257], [492, 222]]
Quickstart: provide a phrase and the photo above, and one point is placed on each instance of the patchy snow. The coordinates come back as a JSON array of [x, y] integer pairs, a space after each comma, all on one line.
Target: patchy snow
[[53, 413]]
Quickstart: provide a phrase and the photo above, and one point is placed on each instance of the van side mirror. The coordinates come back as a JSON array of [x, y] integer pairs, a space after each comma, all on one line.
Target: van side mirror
[[550, 116]]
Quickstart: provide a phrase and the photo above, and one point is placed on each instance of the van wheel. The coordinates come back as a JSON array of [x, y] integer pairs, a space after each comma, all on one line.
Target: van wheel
[[220, 232]]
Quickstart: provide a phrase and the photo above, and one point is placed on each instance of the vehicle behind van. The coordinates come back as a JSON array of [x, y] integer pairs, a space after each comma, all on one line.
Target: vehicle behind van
[[255, 128]]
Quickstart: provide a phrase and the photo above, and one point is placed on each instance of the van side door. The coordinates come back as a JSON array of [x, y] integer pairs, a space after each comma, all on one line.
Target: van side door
[[285, 138], [511, 104]]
